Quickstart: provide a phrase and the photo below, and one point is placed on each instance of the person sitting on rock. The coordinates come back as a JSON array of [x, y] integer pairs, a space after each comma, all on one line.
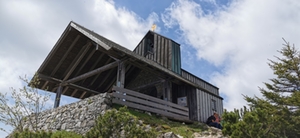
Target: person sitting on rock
[[212, 121]]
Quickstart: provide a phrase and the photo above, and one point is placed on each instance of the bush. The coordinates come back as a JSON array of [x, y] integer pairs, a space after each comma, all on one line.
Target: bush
[[65, 134], [118, 124], [42, 134], [31, 134]]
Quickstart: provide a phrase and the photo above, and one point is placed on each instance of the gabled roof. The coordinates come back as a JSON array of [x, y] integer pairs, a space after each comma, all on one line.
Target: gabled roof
[[80, 50]]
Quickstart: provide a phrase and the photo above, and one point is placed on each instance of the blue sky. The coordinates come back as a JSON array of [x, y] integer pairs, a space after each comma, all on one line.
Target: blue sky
[[227, 43]]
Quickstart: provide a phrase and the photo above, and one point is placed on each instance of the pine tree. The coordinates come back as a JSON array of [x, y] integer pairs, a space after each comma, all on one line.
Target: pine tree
[[284, 91], [277, 113]]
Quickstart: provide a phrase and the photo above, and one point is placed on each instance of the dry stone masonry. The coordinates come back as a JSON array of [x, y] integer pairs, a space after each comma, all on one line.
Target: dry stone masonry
[[78, 117]]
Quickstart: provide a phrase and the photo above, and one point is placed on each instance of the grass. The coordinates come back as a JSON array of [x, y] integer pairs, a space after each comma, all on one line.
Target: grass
[[162, 124]]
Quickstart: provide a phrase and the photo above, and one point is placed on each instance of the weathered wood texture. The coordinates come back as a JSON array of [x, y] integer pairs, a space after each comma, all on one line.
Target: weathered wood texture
[[199, 102], [192, 102], [151, 104], [84, 63], [93, 72], [205, 107], [190, 93], [203, 84], [57, 97], [164, 51]]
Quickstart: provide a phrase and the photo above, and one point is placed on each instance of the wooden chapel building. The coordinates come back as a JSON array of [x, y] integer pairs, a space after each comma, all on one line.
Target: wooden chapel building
[[83, 63]]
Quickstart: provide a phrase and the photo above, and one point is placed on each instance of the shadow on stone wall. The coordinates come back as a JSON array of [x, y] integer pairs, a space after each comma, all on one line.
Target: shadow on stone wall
[[78, 117]]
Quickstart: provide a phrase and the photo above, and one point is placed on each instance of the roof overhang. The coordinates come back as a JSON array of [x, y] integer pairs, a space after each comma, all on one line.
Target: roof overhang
[[80, 51]]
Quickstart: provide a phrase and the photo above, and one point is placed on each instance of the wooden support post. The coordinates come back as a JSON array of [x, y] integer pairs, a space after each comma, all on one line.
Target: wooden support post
[[121, 74], [57, 97], [167, 91]]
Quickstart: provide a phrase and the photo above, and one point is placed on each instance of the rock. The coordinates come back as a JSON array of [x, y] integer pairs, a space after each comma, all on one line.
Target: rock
[[196, 135], [158, 128], [148, 113], [140, 122], [83, 124], [91, 123], [63, 126], [78, 117], [147, 128], [210, 133], [205, 133], [78, 124], [169, 135]]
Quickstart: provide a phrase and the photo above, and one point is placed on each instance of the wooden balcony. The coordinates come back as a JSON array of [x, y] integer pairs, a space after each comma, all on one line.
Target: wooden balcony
[[151, 104]]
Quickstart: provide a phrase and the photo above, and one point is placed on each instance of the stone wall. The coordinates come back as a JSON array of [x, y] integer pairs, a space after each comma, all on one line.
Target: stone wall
[[78, 117]]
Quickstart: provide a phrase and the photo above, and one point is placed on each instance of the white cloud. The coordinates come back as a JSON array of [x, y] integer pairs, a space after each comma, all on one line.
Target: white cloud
[[240, 38], [128, 28], [29, 30]]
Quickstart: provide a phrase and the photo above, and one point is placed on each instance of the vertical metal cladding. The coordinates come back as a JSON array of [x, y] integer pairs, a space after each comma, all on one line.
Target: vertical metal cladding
[[204, 100], [162, 50], [166, 53], [203, 84], [176, 59]]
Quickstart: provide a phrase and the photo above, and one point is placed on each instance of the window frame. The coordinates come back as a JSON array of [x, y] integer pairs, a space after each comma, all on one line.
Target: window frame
[[214, 104]]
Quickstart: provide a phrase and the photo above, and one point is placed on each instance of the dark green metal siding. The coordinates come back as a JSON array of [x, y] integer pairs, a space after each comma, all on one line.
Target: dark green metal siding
[[176, 59]]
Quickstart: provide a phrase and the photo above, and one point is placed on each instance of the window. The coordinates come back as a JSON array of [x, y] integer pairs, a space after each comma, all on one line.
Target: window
[[149, 46], [213, 105]]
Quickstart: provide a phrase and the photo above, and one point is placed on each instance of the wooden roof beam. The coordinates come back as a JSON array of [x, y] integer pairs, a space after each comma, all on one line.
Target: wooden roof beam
[[65, 55], [82, 88], [95, 78], [73, 93], [85, 49], [47, 78], [81, 96], [55, 48], [45, 84], [113, 54], [86, 60], [90, 36], [64, 91], [96, 63], [105, 78], [54, 89], [44, 77], [93, 72], [147, 85]]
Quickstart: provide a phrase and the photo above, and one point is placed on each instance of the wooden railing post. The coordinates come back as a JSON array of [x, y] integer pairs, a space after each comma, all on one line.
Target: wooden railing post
[[121, 74], [167, 91]]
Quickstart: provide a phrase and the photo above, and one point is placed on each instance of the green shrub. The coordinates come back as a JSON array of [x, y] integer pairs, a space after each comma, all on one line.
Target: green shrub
[[116, 124], [65, 134], [30, 134], [42, 134]]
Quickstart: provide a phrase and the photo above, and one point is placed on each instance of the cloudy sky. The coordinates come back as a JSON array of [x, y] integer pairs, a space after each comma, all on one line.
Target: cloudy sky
[[227, 43]]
